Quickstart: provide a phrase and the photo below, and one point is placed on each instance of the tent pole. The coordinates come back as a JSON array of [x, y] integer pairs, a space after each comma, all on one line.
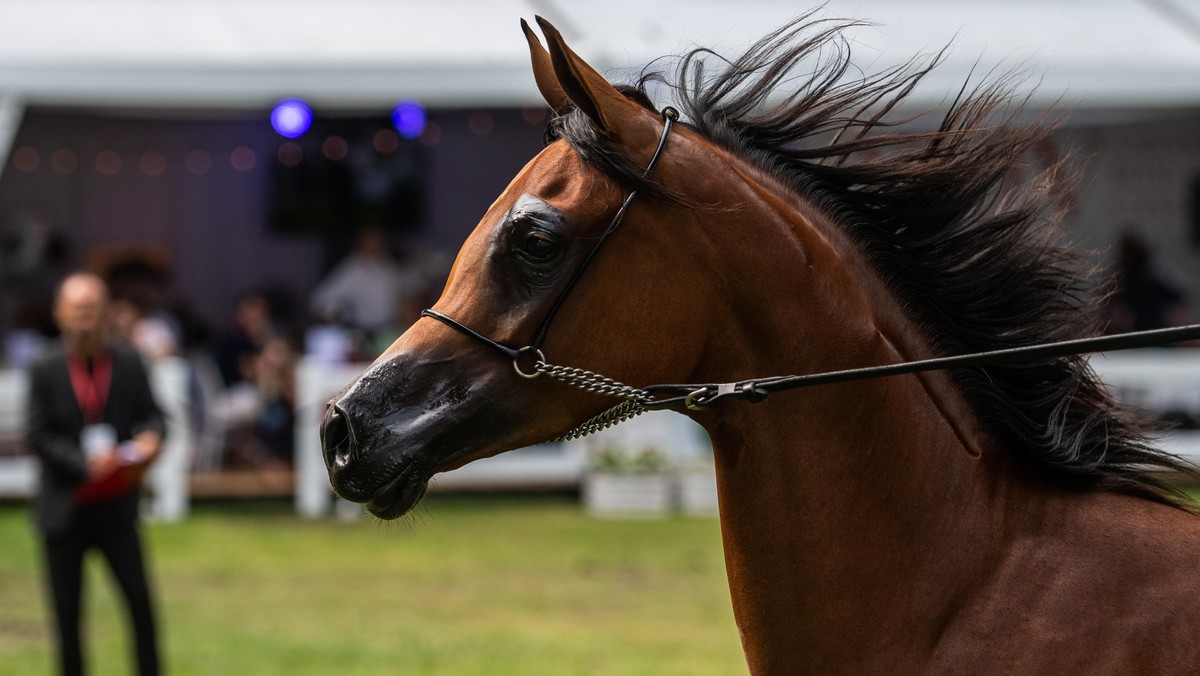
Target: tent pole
[[11, 112]]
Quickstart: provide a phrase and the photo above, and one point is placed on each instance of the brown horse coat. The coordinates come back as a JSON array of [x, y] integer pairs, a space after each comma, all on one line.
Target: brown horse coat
[[996, 521]]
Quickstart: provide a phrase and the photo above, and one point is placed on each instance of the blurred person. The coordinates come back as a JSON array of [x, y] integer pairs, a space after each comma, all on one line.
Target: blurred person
[[94, 425], [138, 281], [252, 327], [407, 311], [151, 335], [1146, 294], [255, 402], [274, 375], [361, 291]]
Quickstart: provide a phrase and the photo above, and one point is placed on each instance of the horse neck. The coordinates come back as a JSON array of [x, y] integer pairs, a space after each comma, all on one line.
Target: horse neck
[[843, 504]]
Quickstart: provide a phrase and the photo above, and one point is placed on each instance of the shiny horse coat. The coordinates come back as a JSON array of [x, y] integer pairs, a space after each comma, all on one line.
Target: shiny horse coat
[[1005, 519]]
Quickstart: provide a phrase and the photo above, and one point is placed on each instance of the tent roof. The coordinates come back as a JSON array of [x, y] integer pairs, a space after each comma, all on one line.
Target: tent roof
[[359, 54]]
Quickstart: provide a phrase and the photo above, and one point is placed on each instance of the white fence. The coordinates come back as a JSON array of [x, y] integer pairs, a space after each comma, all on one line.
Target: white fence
[[1159, 380]]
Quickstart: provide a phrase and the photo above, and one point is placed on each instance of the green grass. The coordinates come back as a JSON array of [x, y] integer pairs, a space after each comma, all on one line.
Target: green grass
[[480, 585], [475, 585]]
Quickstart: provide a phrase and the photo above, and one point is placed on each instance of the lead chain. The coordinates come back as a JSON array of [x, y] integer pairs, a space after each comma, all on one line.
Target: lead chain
[[615, 415], [591, 381], [598, 384]]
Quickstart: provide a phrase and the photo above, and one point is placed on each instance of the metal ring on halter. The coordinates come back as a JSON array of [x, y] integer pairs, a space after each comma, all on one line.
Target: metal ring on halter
[[517, 362], [690, 400]]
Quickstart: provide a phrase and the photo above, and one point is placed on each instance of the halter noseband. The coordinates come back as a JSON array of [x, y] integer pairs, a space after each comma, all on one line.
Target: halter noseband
[[669, 115]]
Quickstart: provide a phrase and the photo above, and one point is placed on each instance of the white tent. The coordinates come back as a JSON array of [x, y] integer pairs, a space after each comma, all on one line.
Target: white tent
[[367, 53]]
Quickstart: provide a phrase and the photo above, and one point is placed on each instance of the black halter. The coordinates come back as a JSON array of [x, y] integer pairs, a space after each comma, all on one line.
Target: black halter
[[669, 116], [702, 396]]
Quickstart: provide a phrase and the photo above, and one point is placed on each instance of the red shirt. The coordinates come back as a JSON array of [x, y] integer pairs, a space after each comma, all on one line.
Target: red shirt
[[91, 384]]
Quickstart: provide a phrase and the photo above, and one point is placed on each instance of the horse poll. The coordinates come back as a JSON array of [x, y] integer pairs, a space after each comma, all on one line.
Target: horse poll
[[994, 516]]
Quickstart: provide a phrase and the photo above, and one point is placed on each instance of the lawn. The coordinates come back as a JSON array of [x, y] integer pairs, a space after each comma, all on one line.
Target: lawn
[[478, 585], [470, 585]]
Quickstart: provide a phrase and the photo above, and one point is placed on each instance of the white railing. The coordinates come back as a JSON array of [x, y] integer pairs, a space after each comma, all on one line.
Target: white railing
[[1158, 380], [17, 472], [316, 383]]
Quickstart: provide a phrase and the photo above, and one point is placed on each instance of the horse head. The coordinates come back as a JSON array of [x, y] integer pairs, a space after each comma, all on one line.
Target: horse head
[[437, 399]]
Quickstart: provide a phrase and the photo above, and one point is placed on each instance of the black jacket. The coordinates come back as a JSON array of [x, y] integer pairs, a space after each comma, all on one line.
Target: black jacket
[[55, 423]]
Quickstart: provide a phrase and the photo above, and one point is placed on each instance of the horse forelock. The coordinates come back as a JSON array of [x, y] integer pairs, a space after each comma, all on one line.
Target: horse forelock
[[974, 257]]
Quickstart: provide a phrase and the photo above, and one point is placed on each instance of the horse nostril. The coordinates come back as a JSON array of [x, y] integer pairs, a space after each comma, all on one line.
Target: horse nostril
[[337, 436]]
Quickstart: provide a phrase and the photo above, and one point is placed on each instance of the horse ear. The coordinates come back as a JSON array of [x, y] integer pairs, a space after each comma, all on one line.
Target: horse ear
[[588, 89], [543, 73]]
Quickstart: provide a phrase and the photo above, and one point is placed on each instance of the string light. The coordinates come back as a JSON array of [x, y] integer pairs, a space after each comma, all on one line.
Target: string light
[[409, 118], [291, 118]]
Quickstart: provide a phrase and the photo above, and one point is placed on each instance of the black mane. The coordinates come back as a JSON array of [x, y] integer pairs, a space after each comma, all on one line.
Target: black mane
[[973, 255]]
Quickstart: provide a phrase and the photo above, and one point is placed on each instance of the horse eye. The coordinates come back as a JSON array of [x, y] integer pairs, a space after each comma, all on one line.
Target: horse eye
[[537, 247]]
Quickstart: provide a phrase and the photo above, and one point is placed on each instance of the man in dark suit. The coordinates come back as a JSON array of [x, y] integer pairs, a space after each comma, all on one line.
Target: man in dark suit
[[95, 427]]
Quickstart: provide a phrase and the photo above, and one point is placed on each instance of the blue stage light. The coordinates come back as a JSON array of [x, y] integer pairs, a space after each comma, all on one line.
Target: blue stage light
[[409, 118], [291, 118]]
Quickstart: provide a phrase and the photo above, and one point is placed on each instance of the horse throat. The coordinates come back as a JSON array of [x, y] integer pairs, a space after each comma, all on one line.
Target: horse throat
[[842, 506], [853, 507]]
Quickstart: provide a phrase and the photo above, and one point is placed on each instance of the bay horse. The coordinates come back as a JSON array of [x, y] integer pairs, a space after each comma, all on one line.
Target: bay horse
[[1000, 519]]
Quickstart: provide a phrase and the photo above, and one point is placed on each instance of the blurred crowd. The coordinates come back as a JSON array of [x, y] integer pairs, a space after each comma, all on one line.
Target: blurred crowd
[[242, 389], [241, 375]]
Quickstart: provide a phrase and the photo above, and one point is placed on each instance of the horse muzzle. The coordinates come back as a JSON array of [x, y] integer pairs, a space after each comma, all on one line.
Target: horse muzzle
[[369, 464], [404, 420]]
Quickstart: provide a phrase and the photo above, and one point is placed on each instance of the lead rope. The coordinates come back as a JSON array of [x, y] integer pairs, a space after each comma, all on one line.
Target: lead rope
[[702, 397]]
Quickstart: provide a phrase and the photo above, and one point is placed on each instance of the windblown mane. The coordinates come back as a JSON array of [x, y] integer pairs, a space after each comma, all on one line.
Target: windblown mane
[[973, 256]]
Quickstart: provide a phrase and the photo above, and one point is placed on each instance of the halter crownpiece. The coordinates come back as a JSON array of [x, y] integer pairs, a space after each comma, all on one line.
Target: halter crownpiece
[[704, 396]]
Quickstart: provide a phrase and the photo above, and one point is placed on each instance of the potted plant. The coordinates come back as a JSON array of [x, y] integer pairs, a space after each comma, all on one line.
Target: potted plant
[[627, 483]]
